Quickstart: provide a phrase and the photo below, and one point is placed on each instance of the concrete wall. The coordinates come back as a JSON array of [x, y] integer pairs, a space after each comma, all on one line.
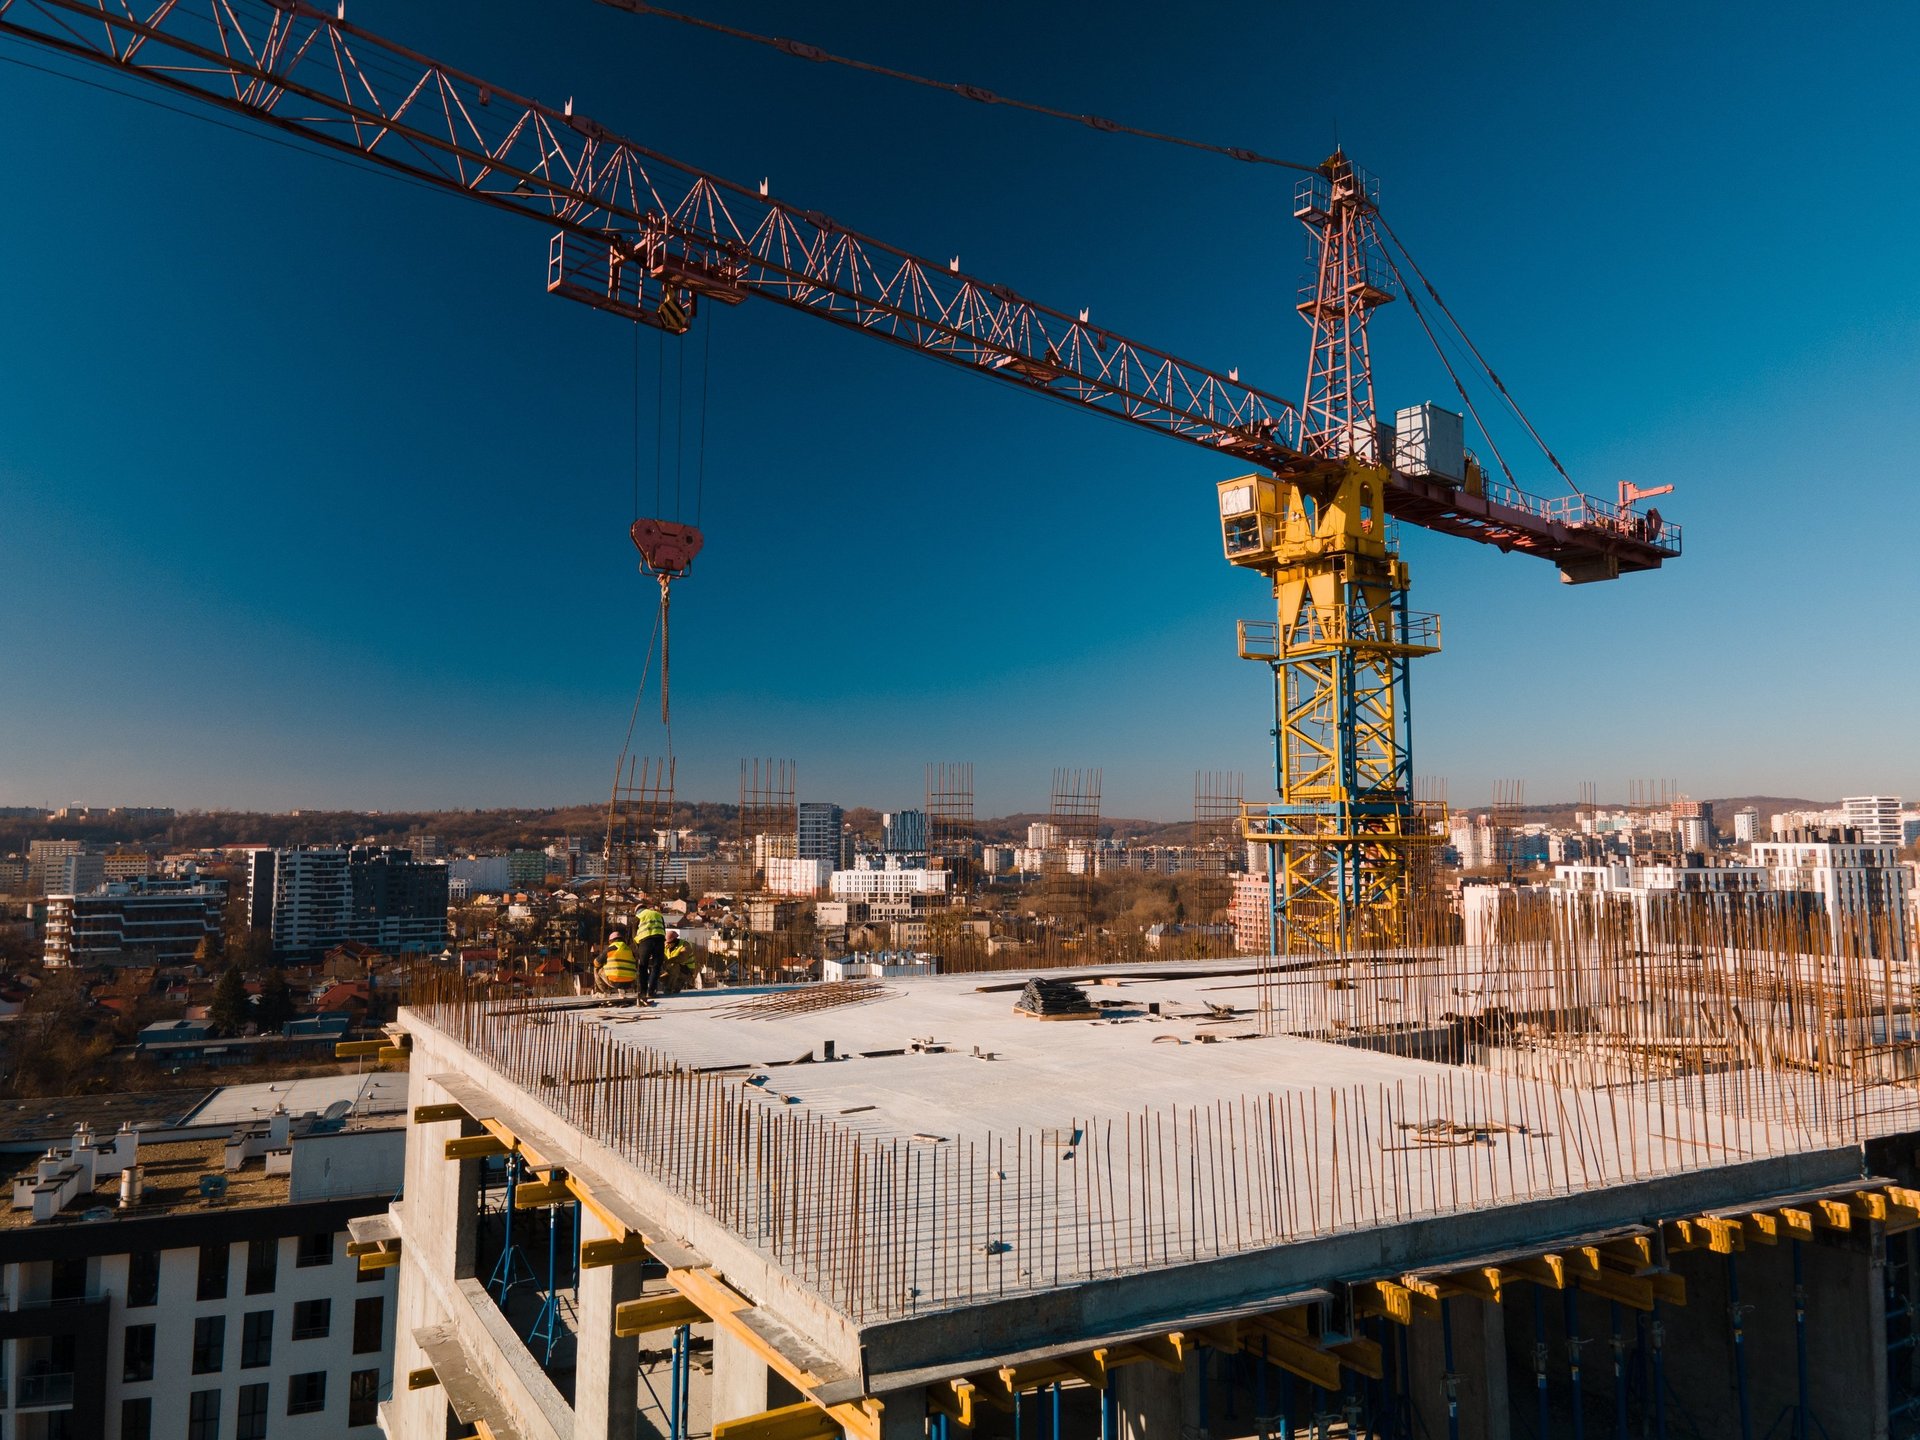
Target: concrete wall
[[349, 1162]]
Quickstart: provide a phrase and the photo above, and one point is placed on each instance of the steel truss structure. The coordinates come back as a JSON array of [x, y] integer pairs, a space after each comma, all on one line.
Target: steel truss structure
[[648, 237]]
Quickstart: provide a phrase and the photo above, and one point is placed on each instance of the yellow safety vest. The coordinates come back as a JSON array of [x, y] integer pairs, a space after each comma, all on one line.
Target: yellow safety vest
[[678, 953], [649, 923], [620, 968]]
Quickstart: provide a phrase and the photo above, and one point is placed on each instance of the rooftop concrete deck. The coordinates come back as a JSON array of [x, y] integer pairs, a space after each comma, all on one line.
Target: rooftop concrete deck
[[910, 1204]]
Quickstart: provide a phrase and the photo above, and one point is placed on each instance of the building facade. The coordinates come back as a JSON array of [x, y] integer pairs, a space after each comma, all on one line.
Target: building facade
[[817, 833], [378, 896], [140, 922], [904, 832], [196, 1283], [1876, 817], [1863, 888]]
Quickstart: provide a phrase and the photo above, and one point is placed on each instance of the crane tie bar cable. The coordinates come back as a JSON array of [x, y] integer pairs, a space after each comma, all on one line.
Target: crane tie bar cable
[[799, 49]]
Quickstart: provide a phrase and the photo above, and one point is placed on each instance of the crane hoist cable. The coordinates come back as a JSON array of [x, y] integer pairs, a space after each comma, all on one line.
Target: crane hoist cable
[[800, 50], [1474, 350]]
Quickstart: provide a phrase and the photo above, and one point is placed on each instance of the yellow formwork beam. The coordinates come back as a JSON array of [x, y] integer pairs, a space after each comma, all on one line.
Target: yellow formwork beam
[[1282, 1347], [475, 1147], [655, 1312], [392, 1054], [1394, 1300], [422, 1379], [380, 1260], [434, 1114], [597, 1253], [357, 1049], [535, 1194]]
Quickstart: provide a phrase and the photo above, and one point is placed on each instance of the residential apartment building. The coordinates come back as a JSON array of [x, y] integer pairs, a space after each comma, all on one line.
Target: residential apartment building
[[787, 876], [1864, 888], [886, 884], [904, 832], [42, 858], [1876, 817], [138, 922], [817, 833], [322, 896], [1250, 914], [191, 1279]]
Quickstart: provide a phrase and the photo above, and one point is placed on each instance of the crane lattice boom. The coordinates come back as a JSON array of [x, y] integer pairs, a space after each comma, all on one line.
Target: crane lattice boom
[[626, 213]]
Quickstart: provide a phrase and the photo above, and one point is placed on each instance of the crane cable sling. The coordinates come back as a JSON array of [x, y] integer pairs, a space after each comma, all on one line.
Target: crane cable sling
[[1474, 350], [799, 49], [1452, 374]]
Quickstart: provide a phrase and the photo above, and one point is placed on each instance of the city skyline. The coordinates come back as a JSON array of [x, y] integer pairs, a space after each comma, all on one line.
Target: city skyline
[[292, 586]]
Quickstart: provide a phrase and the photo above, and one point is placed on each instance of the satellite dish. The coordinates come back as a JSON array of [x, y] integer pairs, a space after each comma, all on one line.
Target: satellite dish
[[337, 1109]]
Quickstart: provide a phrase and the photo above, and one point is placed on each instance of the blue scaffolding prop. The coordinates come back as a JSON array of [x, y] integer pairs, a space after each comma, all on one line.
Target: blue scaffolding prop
[[513, 1268], [547, 1328]]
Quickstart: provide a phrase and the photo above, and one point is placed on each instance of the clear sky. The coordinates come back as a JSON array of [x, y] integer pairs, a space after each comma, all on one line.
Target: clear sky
[[310, 495]]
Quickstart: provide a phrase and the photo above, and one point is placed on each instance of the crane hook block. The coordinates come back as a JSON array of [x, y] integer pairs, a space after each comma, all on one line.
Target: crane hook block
[[666, 548]]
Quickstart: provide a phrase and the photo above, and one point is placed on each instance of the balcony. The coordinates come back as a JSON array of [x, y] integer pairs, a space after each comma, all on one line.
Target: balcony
[[43, 1392]]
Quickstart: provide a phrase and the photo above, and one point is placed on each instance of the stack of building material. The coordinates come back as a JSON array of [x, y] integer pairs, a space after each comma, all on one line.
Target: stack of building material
[[1054, 1000]]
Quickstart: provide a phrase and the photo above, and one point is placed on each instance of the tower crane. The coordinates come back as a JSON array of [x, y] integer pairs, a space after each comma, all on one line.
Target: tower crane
[[652, 239]]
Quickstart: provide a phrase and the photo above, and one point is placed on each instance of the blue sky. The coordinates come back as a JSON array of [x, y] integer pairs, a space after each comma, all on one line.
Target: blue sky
[[312, 496]]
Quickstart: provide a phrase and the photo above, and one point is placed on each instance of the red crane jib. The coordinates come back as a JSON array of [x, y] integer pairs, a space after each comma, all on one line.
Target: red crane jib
[[667, 548]]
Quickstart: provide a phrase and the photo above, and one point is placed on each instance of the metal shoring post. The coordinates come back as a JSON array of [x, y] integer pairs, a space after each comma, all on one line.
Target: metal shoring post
[[1619, 1372], [1261, 1418], [503, 1272], [546, 1325], [1659, 1376], [1106, 1413], [686, 1381], [1736, 1313], [1016, 1415], [1540, 1358], [673, 1386], [1574, 1342], [1446, 1360], [1203, 1357], [1799, 1344]]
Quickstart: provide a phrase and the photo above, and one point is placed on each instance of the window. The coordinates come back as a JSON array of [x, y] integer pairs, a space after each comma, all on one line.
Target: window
[[253, 1413], [307, 1394], [312, 1319], [203, 1415], [316, 1250], [213, 1272], [363, 1397], [209, 1344], [256, 1340], [137, 1358], [143, 1278], [136, 1419], [368, 1317], [263, 1260]]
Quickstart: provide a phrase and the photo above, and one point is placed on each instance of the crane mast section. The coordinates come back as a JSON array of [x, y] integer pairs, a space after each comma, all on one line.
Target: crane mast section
[[621, 207]]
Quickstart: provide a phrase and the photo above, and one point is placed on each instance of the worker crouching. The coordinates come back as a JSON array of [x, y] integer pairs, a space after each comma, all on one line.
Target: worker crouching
[[619, 971]]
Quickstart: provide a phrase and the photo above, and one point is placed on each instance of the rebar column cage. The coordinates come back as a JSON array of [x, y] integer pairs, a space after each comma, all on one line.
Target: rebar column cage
[[768, 807], [641, 806], [1068, 863], [950, 823]]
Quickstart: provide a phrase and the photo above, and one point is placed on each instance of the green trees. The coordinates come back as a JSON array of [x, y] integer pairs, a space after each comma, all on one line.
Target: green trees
[[274, 1008], [229, 1012]]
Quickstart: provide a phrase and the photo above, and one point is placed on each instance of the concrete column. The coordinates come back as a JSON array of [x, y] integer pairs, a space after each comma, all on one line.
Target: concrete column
[[905, 1415], [606, 1367], [1149, 1401], [742, 1383], [1479, 1371]]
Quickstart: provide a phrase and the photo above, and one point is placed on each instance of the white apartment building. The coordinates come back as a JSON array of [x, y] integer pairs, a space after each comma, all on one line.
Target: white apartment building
[[1863, 887], [886, 884], [790, 875], [1876, 817], [1746, 825], [192, 1280]]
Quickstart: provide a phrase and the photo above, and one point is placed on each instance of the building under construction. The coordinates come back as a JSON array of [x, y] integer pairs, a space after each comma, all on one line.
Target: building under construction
[[1594, 1176]]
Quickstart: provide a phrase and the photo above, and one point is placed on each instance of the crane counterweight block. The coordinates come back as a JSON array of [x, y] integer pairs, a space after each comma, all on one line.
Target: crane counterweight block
[[666, 547]]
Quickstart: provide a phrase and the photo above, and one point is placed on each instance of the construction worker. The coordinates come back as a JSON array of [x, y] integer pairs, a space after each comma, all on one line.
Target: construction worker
[[650, 928], [679, 963], [619, 970]]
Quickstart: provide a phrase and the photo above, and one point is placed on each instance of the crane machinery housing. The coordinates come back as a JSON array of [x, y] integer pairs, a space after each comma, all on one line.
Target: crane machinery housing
[[652, 239]]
